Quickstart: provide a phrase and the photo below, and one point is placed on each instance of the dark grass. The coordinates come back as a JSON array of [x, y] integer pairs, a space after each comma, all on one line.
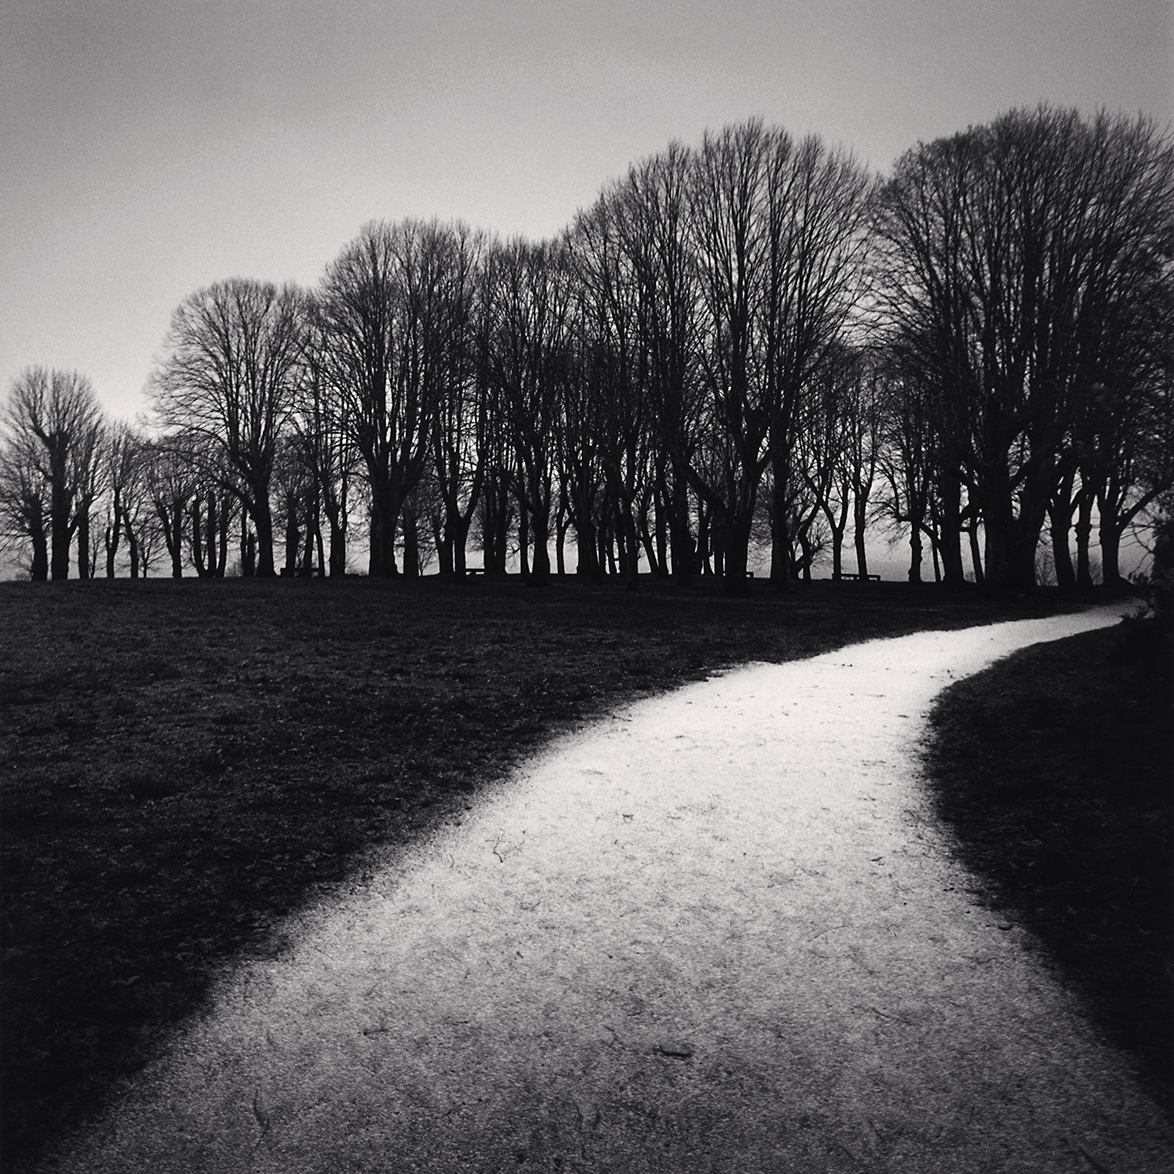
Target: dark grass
[[183, 763], [1055, 769]]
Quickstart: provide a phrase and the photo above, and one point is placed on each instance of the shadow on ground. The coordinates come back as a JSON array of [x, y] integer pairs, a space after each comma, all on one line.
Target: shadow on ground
[[1053, 769]]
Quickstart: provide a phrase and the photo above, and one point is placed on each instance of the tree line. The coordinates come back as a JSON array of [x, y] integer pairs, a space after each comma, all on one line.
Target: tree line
[[752, 344]]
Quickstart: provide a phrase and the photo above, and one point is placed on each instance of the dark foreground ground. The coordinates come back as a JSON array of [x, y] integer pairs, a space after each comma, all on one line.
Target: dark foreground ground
[[182, 763], [1055, 769]]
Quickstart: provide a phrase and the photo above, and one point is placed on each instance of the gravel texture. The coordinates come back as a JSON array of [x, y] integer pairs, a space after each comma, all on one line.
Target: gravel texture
[[716, 931]]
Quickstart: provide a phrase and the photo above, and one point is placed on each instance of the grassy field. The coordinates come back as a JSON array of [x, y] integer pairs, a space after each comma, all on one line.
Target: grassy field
[[182, 763], [1054, 768]]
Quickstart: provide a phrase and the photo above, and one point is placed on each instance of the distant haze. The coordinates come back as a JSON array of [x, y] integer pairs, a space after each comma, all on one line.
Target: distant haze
[[149, 149]]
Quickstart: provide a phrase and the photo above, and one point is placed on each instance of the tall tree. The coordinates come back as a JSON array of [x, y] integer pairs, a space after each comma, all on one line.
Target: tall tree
[[530, 353], [653, 213], [171, 484], [53, 422], [325, 440], [609, 400], [817, 203], [123, 479], [459, 441], [386, 311], [229, 377], [24, 507], [730, 246], [780, 231], [91, 468], [1006, 247]]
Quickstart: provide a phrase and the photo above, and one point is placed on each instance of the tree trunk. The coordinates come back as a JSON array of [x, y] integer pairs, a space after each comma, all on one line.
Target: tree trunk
[[83, 543], [248, 547], [1084, 506], [860, 522], [680, 531], [313, 541], [381, 558], [1110, 536], [411, 544], [586, 534], [560, 541], [703, 550], [214, 525], [292, 534], [662, 533], [39, 568], [781, 570], [915, 554], [1060, 517], [998, 525], [629, 550], [950, 529], [225, 524], [648, 542], [445, 559], [174, 535], [337, 548], [263, 524], [113, 533], [198, 537], [737, 555], [524, 541], [540, 562], [132, 545], [976, 554], [60, 507]]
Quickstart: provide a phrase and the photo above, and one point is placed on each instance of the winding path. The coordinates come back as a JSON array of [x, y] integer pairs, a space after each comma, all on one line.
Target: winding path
[[717, 931]]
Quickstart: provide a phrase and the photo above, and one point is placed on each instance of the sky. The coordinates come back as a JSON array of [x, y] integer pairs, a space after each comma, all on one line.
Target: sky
[[151, 147]]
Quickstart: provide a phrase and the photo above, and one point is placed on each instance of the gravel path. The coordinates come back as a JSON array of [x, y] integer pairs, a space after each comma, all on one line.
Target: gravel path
[[717, 931]]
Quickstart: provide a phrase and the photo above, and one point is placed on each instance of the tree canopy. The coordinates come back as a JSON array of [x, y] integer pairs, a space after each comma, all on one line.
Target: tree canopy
[[748, 347]]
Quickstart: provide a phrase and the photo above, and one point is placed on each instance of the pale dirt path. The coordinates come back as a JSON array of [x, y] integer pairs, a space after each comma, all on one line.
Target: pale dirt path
[[717, 931]]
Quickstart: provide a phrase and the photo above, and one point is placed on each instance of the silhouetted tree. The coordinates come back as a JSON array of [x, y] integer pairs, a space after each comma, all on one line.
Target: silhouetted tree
[[529, 355], [653, 214], [1009, 248], [24, 507], [387, 308], [229, 379], [124, 492], [54, 425]]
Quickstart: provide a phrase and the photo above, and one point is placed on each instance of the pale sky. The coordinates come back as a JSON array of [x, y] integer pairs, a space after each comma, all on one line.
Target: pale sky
[[151, 147]]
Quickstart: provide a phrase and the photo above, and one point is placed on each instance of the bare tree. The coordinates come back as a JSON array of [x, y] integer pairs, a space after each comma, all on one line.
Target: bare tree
[[1007, 248], [53, 420], [608, 396], [135, 499], [171, 483], [326, 443], [387, 309], [24, 508], [653, 215], [229, 378], [529, 356], [459, 440], [730, 246], [817, 204], [906, 459], [124, 490], [780, 236]]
